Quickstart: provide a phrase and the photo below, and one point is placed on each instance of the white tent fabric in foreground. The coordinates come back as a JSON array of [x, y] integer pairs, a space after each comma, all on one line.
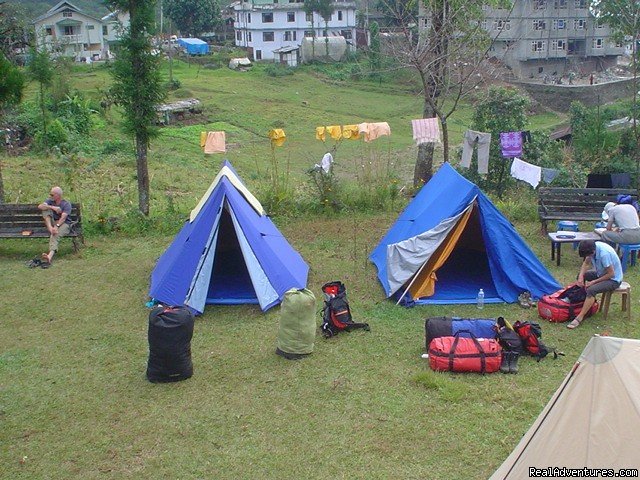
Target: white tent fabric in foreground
[[591, 422]]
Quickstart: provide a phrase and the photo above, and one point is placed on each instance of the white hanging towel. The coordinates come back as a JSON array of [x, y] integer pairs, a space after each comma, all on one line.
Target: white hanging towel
[[326, 162], [526, 172], [426, 130]]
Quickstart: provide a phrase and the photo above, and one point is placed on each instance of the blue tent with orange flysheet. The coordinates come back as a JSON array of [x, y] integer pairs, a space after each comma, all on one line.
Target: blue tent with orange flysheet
[[228, 252], [451, 241]]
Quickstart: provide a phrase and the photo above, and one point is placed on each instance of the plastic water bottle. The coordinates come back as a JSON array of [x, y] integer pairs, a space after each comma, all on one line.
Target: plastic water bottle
[[480, 299]]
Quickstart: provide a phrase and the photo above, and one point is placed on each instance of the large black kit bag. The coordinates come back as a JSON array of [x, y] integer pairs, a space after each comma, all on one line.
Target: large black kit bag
[[435, 327], [336, 314], [170, 332]]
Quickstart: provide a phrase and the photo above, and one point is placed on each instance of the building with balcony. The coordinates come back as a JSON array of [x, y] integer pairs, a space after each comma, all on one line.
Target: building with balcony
[[66, 30], [266, 28]]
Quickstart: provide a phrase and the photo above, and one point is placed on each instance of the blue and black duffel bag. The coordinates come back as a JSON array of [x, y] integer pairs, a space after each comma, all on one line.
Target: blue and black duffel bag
[[436, 327]]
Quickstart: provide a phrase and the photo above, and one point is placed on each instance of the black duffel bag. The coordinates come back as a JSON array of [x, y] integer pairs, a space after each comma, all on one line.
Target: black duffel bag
[[170, 332]]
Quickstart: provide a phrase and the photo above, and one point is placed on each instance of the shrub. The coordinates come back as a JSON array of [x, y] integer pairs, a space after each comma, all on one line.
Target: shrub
[[278, 70]]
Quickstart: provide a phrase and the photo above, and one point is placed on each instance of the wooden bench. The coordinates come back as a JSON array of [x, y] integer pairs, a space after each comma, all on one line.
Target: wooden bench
[[19, 220], [576, 204]]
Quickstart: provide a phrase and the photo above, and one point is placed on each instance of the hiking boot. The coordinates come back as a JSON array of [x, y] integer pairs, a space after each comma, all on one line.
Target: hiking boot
[[513, 362], [504, 365], [524, 299]]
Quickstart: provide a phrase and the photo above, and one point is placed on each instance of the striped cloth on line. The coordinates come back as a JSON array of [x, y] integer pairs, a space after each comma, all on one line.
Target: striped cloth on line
[[426, 130]]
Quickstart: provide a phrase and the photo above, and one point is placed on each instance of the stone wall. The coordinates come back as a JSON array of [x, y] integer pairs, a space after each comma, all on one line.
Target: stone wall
[[559, 97]]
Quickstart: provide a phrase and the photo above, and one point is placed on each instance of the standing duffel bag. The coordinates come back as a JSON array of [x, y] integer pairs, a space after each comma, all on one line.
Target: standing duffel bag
[[459, 354], [170, 332], [565, 304], [447, 327]]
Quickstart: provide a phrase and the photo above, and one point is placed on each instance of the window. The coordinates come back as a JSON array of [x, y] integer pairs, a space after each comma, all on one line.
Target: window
[[48, 30], [91, 27], [267, 36], [538, 46], [599, 24], [291, 16], [105, 30], [85, 46], [309, 17], [559, 24], [580, 3], [560, 4], [267, 17], [248, 36], [239, 35], [502, 24], [309, 33], [288, 37], [325, 33], [68, 30], [67, 14], [339, 15], [347, 34], [597, 43], [540, 69], [579, 24], [539, 25], [248, 18], [539, 4], [258, 54], [559, 45], [618, 44]]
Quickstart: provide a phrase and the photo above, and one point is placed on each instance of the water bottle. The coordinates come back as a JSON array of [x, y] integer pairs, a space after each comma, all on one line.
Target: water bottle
[[480, 299]]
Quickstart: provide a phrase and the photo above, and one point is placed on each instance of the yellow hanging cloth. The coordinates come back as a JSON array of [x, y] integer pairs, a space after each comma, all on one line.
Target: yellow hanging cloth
[[320, 134], [277, 137], [335, 131], [350, 132], [203, 139]]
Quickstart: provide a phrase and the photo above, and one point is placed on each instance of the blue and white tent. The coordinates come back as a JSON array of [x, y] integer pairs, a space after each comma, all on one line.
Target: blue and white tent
[[228, 252], [451, 241], [194, 46]]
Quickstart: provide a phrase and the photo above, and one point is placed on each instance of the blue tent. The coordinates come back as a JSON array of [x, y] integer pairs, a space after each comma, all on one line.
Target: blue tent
[[228, 252], [449, 242], [194, 46]]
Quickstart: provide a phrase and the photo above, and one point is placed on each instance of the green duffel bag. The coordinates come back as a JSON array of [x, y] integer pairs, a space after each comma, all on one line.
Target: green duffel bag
[[297, 331]]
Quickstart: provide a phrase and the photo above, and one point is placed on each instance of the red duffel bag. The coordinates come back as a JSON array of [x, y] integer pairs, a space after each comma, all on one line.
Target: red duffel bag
[[565, 304], [460, 354]]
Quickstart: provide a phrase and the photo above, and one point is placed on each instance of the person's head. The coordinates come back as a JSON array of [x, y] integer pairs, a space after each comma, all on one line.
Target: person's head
[[586, 248], [56, 194], [607, 209]]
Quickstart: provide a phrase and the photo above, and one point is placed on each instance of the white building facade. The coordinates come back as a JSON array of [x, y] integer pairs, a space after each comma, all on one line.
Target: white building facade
[[263, 28]]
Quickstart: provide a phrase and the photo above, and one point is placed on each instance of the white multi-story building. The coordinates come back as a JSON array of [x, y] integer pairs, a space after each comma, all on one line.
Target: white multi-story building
[[266, 26], [67, 30]]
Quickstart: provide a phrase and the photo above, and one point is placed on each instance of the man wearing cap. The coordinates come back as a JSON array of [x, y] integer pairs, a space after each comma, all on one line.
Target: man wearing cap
[[601, 272], [625, 218]]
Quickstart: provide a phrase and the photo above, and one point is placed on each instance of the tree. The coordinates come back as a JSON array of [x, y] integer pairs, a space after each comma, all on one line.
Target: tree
[[138, 85], [623, 16], [447, 54], [310, 8], [13, 29], [41, 70], [325, 10], [193, 17], [501, 110], [11, 87]]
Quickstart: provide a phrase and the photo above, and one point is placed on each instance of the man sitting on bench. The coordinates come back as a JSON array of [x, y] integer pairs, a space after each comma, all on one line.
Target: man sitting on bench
[[55, 211]]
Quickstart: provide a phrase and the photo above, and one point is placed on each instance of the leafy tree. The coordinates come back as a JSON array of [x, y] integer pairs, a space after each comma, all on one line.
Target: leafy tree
[[325, 10], [310, 7], [13, 28], [41, 70], [592, 143], [193, 17], [501, 110], [374, 48], [138, 85], [11, 87]]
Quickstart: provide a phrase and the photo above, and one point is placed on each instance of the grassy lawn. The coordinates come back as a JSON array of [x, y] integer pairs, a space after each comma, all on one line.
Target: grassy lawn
[[74, 402]]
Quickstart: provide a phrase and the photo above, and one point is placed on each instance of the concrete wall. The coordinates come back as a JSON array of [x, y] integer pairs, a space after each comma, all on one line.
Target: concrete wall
[[559, 97]]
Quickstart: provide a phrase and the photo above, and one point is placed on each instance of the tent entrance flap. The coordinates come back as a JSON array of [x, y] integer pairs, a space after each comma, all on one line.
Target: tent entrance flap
[[230, 281]]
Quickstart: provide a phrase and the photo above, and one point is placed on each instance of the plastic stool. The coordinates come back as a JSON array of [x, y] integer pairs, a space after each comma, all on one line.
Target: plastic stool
[[569, 226], [625, 290], [628, 254]]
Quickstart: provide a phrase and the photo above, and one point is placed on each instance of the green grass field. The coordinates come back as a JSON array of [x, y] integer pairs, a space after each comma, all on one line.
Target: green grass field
[[74, 402]]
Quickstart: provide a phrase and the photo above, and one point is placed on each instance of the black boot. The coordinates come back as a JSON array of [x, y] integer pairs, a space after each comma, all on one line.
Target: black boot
[[513, 362], [504, 365]]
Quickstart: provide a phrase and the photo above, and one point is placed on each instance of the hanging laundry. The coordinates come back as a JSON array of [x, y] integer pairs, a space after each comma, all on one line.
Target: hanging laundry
[[215, 143], [277, 137], [526, 136], [511, 143], [335, 131], [549, 174], [371, 131], [526, 172], [320, 134], [350, 132], [203, 139], [325, 163], [483, 140], [426, 130]]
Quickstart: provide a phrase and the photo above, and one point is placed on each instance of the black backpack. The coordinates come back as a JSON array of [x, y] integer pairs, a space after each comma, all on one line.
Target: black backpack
[[509, 340], [336, 314]]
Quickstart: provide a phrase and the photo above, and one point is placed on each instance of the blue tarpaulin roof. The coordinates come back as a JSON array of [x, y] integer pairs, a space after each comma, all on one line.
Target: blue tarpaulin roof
[[228, 254], [194, 46], [505, 267]]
